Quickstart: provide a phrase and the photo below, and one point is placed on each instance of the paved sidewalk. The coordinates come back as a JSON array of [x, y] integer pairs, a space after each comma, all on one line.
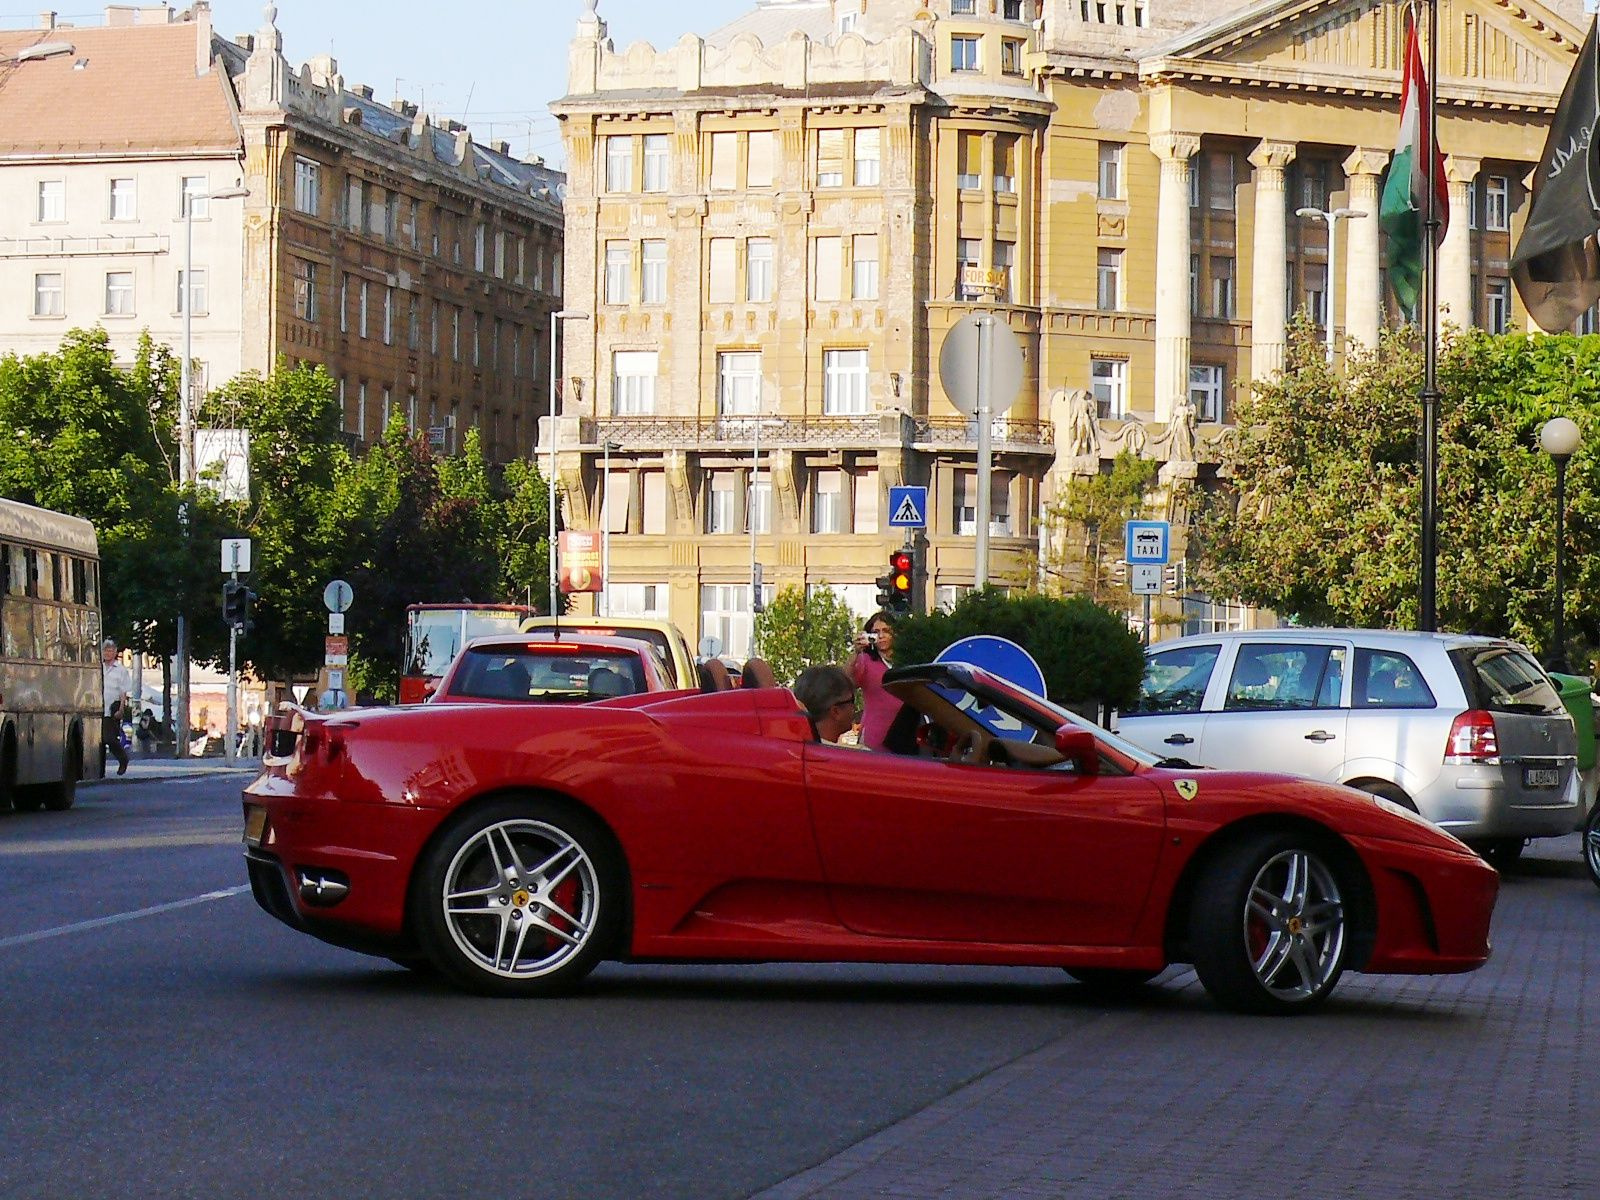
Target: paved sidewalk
[[173, 768]]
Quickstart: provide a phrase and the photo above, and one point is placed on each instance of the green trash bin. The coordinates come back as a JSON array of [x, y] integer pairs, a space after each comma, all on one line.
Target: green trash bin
[[1577, 694]]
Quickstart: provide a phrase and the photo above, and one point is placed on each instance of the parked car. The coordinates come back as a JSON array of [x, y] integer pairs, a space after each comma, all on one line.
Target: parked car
[[513, 848], [666, 637], [1468, 731], [543, 667]]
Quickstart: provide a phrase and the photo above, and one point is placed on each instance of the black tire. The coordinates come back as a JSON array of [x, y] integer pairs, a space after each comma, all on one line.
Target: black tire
[[8, 770], [1110, 981], [1269, 924], [58, 797], [1591, 845], [520, 867], [1500, 853], [1388, 791]]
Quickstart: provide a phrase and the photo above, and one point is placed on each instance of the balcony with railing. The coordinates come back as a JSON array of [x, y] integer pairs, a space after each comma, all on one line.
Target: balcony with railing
[[861, 432], [85, 247]]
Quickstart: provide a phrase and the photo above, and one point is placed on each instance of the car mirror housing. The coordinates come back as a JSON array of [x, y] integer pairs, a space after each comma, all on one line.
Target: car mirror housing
[[1080, 748]]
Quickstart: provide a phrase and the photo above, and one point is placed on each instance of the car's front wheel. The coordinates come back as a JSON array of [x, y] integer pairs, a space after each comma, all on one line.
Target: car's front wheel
[[1591, 845], [521, 898], [1269, 924]]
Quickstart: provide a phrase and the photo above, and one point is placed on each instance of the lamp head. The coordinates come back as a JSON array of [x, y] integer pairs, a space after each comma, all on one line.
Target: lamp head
[[1560, 437]]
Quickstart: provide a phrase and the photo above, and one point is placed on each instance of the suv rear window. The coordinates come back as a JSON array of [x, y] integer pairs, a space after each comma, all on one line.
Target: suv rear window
[[650, 637], [1504, 679], [496, 673], [1388, 679]]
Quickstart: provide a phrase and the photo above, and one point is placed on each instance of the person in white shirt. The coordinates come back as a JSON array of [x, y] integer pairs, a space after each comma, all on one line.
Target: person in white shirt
[[118, 684]]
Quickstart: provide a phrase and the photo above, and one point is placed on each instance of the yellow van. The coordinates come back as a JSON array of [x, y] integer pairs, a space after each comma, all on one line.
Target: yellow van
[[666, 637]]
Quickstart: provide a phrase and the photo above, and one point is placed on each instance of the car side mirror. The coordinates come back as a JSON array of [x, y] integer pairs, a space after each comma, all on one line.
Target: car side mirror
[[1079, 747]]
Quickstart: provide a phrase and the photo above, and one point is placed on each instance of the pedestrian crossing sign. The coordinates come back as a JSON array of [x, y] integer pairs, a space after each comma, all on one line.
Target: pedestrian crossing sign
[[908, 506]]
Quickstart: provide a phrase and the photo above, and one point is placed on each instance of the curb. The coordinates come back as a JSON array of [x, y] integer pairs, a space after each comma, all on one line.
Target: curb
[[175, 773]]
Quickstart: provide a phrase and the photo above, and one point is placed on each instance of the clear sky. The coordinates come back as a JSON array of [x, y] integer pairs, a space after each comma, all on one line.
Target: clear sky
[[494, 64]]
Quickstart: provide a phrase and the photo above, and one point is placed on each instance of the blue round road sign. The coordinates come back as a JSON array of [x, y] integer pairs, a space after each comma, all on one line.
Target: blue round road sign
[[1003, 657]]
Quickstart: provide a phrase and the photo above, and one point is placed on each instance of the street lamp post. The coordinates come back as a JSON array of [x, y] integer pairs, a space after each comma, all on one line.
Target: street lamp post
[[605, 525], [560, 315], [1559, 439], [180, 721], [1332, 217]]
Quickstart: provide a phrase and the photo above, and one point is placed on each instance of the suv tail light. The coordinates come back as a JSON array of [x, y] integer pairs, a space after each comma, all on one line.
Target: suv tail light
[[1472, 740]]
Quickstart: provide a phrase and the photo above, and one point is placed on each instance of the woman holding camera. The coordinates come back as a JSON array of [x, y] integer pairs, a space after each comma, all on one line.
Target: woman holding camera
[[872, 656]]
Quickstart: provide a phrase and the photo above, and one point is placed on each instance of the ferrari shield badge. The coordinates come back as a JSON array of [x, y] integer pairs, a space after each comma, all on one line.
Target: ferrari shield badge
[[1187, 788]]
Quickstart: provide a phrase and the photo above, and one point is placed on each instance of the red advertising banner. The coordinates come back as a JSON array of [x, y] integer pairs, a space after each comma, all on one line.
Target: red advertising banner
[[580, 561]]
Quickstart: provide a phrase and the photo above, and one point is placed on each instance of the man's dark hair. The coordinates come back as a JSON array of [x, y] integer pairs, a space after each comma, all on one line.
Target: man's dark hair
[[819, 688]]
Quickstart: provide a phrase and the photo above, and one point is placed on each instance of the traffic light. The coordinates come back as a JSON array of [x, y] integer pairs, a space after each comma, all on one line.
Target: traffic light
[[902, 578], [886, 597], [236, 598]]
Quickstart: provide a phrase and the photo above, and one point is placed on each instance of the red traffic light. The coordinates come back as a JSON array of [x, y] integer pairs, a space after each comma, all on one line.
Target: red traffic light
[[901, 566]]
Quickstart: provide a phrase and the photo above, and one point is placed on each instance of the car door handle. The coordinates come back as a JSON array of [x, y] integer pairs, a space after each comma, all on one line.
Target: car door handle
[[1321, 735], [1179, 739]]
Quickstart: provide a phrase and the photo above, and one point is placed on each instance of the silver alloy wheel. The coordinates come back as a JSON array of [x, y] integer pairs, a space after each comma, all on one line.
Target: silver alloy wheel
[[520, 899], [1294, 925]]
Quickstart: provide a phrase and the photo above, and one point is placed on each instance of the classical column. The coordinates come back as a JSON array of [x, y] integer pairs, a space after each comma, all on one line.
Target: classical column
[[1270, 259], [1172, 269], [1455, 253], [1363, 306]]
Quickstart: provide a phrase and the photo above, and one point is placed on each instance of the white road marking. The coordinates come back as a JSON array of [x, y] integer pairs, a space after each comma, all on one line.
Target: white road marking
[[228, 836], [23, 939]]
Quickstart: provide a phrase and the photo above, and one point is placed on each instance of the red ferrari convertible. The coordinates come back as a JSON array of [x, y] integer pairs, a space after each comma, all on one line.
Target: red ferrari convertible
[[513, 847]]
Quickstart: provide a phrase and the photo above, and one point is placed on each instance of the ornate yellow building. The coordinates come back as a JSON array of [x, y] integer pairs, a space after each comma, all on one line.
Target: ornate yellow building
[[770, 229]]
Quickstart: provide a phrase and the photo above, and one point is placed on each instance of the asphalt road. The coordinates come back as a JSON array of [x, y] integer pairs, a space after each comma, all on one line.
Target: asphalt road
[[162, 1037]]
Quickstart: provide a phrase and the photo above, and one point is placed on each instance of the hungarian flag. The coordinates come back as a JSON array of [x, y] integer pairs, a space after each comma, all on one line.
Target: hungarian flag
[[1555, 265], [1404, 207]]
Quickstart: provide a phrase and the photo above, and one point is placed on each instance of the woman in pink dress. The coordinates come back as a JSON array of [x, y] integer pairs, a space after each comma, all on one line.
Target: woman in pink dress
[[873, 655]]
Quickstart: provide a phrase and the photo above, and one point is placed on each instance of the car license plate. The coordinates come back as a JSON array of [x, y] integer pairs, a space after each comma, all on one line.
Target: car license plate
[[1541, 777], [255, 824]]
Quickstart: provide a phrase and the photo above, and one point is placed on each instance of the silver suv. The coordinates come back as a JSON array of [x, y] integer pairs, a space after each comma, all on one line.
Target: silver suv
[[1468, 731]]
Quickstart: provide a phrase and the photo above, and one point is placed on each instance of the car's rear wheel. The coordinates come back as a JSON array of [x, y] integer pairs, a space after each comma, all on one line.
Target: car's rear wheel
[[521, 898], [1501, 853], [1591, 845], [1110, 981], [1269, 923]]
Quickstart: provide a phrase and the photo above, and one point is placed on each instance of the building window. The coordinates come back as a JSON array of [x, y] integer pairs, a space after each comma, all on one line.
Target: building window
[[1474, 191], [758, 505], [724, 162], [722, 271], [619, 164], [197, 292], [47, 295], [969, 161], [830, 158], [722, 503], [1220, 171], [760, 159], [864, 267], [1222, 287], [827, 502], [123, 200], [52, 200], [1011, 55], [653, 274], [477, 339], [758, 270], [304, 275], [363, 307], [499, 254], [1499, 297], [1109, 280], [963, 8], [619, 272], [1497, 204], [414, 325], [355, 204], [1111, 170], [1205, 391], [868, 158], [1005, 258], [307, 186], [968, 251], [1108, 380], [828, 268], [388, 316], [633, 382], [1005, 165], [433, 328], [725, 617], [848, 22], [1194, 283], [738, 383], [657, 160], [1316, 305], [193, 192], [480, 240], [344, 303], [1314, 183], [637, 599], [964, 53], [844, 383], [964, 504], [119, 293]]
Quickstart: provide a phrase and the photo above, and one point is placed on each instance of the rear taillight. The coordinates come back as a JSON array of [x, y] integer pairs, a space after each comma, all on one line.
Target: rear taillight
[[1472, 740]]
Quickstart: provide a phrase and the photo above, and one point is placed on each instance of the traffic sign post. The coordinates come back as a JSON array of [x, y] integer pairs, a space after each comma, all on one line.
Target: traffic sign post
[[1149, 546], [981, 368], [337, 598]]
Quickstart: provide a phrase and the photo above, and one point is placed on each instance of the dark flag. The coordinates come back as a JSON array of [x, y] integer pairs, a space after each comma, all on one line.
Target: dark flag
[[1556, 263]]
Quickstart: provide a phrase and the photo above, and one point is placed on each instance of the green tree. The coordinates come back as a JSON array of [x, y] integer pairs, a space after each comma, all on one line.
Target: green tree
[[798, 631], [523, 535], [1085, 531], [1086, 651], [1321, 517]]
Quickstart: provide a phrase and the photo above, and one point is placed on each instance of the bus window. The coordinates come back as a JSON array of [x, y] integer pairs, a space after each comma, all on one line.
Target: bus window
[[45, 576], [18, 620], [16, 580]]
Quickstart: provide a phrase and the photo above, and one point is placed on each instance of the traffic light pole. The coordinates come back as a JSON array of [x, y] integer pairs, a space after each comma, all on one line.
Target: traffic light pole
[[228, 741]]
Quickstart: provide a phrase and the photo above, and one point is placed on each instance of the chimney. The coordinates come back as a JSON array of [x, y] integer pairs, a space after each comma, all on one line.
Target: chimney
[[47, 20], [363, 91], [502, 148], [200, 14]]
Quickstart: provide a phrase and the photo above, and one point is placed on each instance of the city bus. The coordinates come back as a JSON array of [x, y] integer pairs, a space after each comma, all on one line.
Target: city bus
[[50, 680], [435, 634]]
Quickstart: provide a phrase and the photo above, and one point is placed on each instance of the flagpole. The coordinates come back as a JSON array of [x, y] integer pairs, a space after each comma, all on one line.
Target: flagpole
[[1427, 618]]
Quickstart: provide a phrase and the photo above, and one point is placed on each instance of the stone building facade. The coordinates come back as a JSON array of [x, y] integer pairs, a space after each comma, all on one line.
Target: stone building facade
[[418, 266], [772, 227]]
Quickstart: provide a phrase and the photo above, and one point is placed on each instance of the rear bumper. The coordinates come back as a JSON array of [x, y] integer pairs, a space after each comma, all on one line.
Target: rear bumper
[[1476, 803]]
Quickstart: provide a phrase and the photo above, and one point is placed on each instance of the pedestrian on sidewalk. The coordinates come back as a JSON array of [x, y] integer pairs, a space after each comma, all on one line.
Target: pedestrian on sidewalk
[[117, 685]]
